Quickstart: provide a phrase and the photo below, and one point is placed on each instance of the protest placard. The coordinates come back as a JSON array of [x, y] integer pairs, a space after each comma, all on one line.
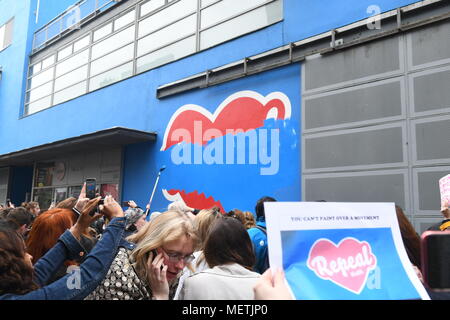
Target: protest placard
[[444, 188], [334, 250]]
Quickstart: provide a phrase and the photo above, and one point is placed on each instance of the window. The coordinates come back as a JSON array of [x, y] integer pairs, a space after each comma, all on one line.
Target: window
[[220, 20], [65, 52], [113, 42], [112, 59], [41, 78], [72, 63], [167, 35], [167, 16], [102, 32], [82, 43], [6, 32], [150, 6], [142, 37], [47, 62], [111, 76], [124, 20]]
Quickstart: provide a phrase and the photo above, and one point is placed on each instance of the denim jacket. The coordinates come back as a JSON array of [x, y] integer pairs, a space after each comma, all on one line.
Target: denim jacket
[[79, 284]]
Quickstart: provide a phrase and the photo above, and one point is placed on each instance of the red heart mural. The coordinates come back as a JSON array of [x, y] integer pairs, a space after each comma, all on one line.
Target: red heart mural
[[193, 199], [346, 264], [240, 112]]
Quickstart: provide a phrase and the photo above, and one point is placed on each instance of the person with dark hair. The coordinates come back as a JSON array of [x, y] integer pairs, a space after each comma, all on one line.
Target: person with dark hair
[[16, 269], [135, 220], [229, 254], [258, 236], [4, 213], [237, 214], [21, 219], [411, 240], [20, 280], [33, 207]]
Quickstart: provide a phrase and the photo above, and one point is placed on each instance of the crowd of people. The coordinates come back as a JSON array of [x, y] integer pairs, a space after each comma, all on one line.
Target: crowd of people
[[86, 249]]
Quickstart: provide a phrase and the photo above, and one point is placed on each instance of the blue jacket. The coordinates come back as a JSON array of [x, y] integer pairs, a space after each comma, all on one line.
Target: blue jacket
[[259, 240], [91, 271]]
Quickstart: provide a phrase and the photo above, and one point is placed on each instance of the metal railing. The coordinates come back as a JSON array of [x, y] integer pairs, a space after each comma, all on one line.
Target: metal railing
[[70, 19]]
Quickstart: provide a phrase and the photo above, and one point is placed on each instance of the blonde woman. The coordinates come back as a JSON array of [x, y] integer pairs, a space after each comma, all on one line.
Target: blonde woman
[[150, 262], [202, 223]]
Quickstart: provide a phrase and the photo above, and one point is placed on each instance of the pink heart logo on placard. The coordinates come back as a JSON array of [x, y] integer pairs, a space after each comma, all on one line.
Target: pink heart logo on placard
[[346, 264]]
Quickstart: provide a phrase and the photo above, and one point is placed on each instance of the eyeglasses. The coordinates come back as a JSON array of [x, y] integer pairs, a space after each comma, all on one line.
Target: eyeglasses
[[176, 257]]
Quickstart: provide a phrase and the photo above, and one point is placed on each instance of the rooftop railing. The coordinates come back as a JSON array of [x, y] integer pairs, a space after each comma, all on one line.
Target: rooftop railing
[[70, 19]]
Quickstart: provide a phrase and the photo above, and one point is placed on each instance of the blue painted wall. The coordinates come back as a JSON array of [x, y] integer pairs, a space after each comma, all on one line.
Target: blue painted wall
[[13, 61], [48, 10], [306, 18], [111, 106], [132, 103], [237, 185]]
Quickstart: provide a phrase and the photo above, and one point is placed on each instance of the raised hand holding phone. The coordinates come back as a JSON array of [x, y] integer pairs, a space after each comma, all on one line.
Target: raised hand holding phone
[[82, 199], [110, 208], [85, 218]]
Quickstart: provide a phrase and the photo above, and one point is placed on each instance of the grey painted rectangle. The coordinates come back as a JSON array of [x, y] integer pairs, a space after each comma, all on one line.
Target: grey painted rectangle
[[430, 44], [372, 147], [354, 63], [433, 140], [371, 188], [360, 104], [431, 91], [428, 187]]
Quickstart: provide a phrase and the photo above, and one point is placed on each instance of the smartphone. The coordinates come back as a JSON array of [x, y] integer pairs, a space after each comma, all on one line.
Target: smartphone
[[90, 188], [435, 252], [125, 204], [155, 253]]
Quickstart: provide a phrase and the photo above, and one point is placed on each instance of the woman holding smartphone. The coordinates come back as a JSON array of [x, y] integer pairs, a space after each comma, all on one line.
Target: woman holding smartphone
[[149, 266]]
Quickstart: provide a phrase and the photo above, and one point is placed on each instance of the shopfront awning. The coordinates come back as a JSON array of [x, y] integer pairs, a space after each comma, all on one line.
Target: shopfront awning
[[96, 141]]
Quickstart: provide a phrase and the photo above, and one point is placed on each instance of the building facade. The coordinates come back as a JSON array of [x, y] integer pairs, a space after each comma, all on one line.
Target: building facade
[[235, 100]]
